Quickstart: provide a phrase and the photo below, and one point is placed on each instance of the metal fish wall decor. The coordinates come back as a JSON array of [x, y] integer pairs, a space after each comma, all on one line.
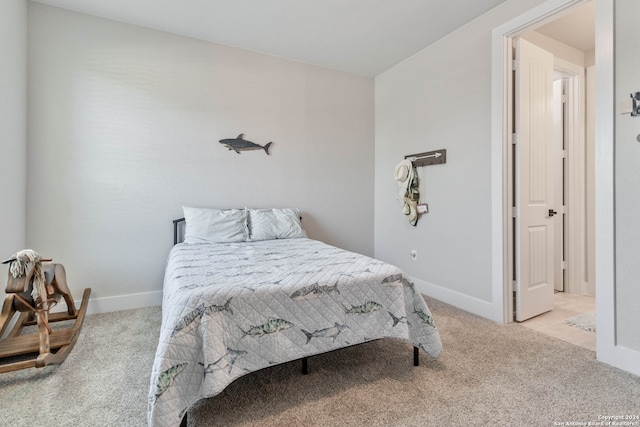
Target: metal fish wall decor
[[240, 144]]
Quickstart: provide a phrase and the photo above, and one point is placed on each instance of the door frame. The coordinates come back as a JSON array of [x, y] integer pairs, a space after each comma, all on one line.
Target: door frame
[[503, 152], [575, 178], [560, 99], [607, 349]]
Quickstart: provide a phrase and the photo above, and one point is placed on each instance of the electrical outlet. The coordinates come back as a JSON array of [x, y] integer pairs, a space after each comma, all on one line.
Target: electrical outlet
[[414, 255]]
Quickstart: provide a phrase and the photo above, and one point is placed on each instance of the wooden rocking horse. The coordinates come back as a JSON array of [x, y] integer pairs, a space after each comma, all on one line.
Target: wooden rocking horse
[[35, 285]]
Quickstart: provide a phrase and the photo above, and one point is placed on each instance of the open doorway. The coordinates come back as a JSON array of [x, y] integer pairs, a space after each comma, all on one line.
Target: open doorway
[[608, 349], [552, 234]]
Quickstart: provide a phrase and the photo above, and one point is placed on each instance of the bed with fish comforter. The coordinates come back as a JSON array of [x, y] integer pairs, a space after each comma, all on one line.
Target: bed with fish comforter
[[234, 308]]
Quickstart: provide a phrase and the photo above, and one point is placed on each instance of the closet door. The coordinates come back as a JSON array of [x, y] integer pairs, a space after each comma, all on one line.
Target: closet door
[[534, 173]]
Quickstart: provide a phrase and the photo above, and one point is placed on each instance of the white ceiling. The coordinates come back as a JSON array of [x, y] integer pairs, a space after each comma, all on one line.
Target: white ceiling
[[364, 37], [577, 28]]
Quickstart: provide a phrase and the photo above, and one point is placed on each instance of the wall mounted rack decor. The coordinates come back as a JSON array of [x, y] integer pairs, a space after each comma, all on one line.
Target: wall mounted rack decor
[[635, 104], [428, 158]]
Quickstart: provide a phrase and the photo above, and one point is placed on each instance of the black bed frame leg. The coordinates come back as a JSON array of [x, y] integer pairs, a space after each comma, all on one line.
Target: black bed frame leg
[[305, 365], [416, 359]]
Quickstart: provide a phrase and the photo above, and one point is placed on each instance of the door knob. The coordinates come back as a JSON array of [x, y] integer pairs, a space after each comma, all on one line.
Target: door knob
[[552, 212]]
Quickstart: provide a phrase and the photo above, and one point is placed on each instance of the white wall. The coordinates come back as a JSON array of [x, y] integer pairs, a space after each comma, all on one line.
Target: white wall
[[558, 49], [441, 98], [13, 127], [627, 177], [124, 124]]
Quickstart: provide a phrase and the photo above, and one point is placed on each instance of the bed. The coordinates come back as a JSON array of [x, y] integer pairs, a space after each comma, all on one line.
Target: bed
[[261, 293]]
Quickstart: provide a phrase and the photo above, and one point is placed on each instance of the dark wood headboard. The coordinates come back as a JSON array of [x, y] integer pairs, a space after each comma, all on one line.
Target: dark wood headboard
[[176, 224]]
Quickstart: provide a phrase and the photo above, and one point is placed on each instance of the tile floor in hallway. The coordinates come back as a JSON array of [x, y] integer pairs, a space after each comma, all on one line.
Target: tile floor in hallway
[[565, 307]]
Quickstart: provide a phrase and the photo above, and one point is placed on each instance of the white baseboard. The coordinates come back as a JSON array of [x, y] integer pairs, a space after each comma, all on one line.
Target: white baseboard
[[621, 358], [147, 299], [465, 302], [117, 303]]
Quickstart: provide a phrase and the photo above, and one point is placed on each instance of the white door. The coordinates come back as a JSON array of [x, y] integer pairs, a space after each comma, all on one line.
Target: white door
[[534, 176]]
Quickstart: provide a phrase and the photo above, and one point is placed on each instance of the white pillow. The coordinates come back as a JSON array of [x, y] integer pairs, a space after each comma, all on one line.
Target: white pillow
[[215, 226], [268, 224]]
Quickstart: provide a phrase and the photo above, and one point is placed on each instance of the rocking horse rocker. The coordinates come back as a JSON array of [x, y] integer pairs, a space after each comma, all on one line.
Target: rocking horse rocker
[[35, 285]]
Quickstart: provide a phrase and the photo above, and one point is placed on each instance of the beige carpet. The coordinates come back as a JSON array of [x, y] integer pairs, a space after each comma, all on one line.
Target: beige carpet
[[487, 375]]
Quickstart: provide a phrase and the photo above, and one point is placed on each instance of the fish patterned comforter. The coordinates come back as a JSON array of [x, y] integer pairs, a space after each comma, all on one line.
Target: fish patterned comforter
[[233, 308]]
